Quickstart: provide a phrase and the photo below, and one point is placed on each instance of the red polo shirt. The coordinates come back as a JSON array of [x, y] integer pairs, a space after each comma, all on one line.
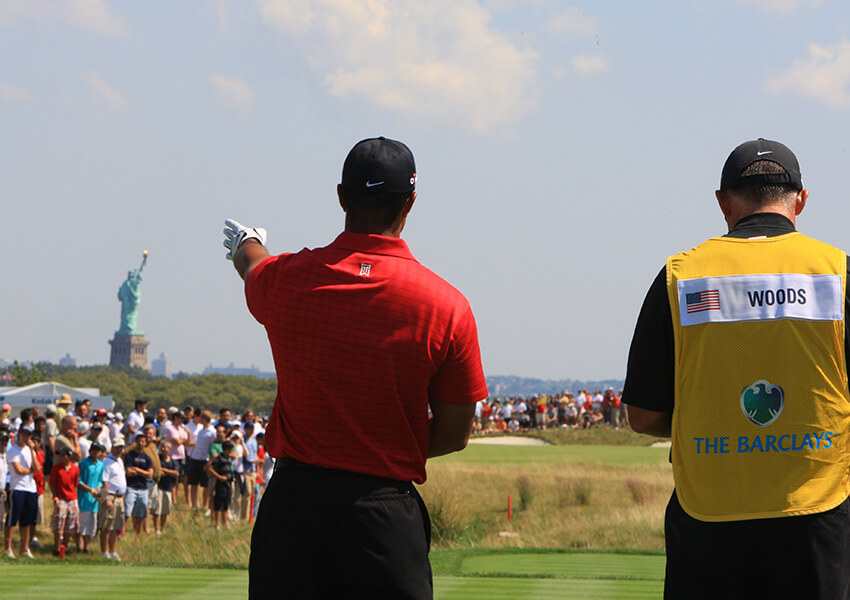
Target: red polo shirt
[[362, 335], [65, 480]]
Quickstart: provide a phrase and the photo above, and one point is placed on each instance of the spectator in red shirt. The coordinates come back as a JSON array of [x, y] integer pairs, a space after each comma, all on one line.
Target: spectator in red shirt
[[63, 484], [364, 340]]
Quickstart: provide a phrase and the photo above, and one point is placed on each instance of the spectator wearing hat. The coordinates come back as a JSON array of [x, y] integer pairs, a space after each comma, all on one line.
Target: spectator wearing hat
[[136, 418], [110, 519], [66, 513], [103, 438], [62, 406], [23, 502], [6, 414], [88, 491], [67, 438]]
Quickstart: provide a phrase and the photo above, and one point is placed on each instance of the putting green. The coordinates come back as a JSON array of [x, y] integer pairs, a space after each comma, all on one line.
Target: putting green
[[506, 588]]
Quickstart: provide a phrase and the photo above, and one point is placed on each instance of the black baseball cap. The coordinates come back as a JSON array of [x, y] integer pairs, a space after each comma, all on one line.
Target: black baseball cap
[[379, 165], [761, 149]]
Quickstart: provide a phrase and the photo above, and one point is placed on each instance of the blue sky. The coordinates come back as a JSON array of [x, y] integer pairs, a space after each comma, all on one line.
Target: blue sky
[[564, 150]]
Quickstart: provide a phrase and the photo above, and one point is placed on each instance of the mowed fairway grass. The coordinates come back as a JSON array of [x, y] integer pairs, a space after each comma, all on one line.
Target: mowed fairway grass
[[482, 574], [587, 524]]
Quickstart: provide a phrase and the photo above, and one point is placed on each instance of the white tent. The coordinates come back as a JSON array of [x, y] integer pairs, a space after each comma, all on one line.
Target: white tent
[[48, 392]]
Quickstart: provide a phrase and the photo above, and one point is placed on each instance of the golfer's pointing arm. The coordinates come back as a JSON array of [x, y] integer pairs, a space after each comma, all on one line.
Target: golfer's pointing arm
[[245, 246]]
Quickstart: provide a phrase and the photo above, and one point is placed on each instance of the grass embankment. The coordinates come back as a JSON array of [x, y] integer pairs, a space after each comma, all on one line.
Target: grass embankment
[[189, 541], [563, 497]]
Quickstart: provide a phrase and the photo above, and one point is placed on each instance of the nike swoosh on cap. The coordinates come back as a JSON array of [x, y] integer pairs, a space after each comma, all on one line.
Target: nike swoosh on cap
[[370, 184], [762, 153]]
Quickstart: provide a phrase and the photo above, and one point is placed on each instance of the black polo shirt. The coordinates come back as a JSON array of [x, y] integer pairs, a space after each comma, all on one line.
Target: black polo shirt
[[650, 371]]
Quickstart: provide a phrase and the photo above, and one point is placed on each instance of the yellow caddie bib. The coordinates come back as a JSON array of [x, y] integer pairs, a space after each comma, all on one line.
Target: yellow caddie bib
[[761, 401]]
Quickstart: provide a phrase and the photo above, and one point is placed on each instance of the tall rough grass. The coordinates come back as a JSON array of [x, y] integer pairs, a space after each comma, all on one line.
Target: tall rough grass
[[189, 540], [574, 505]]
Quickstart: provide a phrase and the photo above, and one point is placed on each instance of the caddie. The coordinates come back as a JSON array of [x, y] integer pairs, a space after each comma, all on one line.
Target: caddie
[[364, 339], [740, 355]]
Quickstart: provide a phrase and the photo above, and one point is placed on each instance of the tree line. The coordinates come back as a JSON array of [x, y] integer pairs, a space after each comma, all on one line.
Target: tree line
[[126, 384]]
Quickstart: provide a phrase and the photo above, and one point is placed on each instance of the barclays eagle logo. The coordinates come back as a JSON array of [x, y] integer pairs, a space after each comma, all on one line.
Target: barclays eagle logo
[[762, 402]]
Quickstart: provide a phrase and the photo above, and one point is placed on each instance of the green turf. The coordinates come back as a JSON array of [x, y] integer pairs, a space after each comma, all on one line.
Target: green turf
[[568, 566], [459, 575], [597, 455], [27, 580], [504, 588]]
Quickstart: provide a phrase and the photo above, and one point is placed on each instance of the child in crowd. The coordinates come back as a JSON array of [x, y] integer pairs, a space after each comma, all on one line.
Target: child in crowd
[[220, 468], [63, 484], [164, 500], [88, 491]]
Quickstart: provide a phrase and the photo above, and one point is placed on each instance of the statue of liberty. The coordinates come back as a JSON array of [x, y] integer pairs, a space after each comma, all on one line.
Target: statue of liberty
[[130, 294]]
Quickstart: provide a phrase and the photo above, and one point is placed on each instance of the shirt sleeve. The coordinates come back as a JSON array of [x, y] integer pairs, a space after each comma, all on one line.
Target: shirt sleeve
[[460, 379], [651, 365], [258, 284]]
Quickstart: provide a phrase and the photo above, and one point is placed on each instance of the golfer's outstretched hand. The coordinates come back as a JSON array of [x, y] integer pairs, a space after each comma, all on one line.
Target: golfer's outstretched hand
[[235, 233]]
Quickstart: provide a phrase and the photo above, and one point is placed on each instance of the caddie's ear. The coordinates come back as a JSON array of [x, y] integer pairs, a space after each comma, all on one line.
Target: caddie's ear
[[800, 201], [341, 195]]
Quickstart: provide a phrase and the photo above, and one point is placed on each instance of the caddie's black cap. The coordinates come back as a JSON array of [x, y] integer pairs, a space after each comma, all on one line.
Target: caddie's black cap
[[379, 165], [761, 149]]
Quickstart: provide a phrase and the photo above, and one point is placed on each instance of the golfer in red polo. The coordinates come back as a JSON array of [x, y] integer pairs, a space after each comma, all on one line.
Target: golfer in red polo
[[365, 340]]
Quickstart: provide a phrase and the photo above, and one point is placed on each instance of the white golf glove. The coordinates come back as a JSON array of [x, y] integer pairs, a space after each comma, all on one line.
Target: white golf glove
[[236, 233]]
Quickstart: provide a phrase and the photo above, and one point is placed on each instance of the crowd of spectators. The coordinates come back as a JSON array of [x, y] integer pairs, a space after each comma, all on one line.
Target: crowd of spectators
[[584, 409], [107, 474]]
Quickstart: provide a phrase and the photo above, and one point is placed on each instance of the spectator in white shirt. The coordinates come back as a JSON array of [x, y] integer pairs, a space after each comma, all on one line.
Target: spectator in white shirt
[[136, 419], [23, 504], [196, 476], [111, 517]]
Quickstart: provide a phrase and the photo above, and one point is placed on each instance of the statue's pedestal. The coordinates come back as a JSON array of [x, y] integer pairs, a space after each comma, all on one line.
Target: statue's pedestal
[[129, 351]]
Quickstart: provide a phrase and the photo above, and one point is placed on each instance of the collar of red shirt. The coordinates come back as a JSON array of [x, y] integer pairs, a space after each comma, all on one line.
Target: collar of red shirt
[[372, 244]]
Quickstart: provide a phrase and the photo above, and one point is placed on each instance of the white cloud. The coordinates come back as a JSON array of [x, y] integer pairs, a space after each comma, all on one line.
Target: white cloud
[[91, 15], [573, 20], [439, 60], [780, 7], [823, 76], [590, 64], [11, 93], [235, 91], [105, 95]]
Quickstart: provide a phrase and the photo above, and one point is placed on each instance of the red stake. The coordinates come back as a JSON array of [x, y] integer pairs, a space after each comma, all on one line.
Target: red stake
[[510, 509]]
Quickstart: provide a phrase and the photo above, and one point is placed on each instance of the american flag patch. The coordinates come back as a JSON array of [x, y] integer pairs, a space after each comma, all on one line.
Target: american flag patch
[[701, 301]]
